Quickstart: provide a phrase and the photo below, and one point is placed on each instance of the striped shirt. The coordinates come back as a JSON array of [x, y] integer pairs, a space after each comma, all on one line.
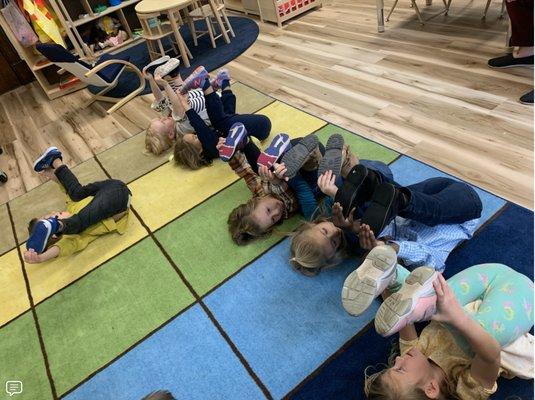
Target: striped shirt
[[195, 99], [421, 244], [261, 188]]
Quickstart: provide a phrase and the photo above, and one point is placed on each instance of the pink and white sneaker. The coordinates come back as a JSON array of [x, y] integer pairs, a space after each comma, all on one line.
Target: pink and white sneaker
[[415, 301], [195, 79], [369, 280], [222, 75]]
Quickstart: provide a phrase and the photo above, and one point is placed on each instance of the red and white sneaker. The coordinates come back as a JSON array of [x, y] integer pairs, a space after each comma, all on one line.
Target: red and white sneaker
[[195, 79], [222, 75], [415, 301], [278, 146], [369, 280], [236, 138]]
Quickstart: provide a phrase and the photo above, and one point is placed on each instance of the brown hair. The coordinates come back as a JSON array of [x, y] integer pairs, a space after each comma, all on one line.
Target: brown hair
[[243, 228], [306, 257], [187, 155], [51, 240], [159, 395], [156, 143]]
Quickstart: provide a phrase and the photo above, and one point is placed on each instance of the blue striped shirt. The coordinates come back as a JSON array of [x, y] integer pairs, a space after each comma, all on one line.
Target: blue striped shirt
[[421, 244]]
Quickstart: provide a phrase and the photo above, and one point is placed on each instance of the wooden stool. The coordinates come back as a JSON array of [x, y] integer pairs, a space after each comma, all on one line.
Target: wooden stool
[[199, 11], [154, 31]]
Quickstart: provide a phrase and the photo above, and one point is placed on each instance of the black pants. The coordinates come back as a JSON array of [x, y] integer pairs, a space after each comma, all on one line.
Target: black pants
[[521, 15], [110, 197]]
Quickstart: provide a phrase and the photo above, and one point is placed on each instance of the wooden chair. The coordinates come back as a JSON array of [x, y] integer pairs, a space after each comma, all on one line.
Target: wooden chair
[[487, 9], [154, 31], [200, 10], [445, 11]]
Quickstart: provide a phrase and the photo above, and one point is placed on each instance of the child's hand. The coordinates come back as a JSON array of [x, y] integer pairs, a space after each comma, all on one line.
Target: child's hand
[[266, 175], [345, 223], [220, 143], [448, 308], [147, 75], [31, 257], [326, 184], [280, 170], [367, 238], [183, 98], [160, 81]]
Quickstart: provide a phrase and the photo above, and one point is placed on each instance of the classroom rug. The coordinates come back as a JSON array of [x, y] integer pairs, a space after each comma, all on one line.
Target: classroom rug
[[173, 304]]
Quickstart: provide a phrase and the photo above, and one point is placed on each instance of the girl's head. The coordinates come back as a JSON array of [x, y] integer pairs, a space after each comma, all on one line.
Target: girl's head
[[188, 152], [316, 245], [255, 218], [412, 377], [160, 135]]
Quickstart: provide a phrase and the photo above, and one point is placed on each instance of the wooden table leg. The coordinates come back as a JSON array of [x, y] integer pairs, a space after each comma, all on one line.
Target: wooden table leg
[[380, 16], [178, 38], [219, 21]]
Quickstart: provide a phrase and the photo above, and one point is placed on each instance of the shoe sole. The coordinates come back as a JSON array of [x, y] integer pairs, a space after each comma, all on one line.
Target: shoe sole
[[270, 156], [295, 158], [159, 61], [42, 157], [188, 83], [513, 66], [48, 227], [235, 135], [397, 308], [332, 160], [382, 200], [361, 286]]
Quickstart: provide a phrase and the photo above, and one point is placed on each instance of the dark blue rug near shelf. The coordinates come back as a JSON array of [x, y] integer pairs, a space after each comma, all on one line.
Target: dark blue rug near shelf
[[246, 31], [342, 377]]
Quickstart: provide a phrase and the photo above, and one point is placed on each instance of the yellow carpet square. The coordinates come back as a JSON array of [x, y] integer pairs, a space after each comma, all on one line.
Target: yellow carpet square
[[13, 296]]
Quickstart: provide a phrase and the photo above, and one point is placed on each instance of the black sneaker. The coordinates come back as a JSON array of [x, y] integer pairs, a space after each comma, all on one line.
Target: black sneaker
[[508, 61], [527, 98], [383, 208], [358, 188]]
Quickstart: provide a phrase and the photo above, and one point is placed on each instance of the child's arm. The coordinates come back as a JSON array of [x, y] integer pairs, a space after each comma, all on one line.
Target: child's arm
[[156, 91], [486, 362], [304, 195], [178, 108], [242, 168], [31, 257]]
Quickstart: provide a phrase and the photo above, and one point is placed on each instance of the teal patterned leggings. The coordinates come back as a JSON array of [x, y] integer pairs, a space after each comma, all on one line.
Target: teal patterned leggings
[[506, 311]]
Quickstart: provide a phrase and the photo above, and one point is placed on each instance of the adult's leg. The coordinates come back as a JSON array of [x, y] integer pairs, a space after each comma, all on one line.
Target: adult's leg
[[442, 201], [521, 15], [110, 199], [506, 311]]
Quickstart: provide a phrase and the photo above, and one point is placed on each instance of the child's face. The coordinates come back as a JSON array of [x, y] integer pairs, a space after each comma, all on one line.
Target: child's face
[[163, 126], [410, 370], [327, 237], [194, 140], [268, 212]]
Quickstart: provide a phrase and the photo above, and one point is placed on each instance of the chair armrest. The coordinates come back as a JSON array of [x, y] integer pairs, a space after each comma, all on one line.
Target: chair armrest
[[107, 63]]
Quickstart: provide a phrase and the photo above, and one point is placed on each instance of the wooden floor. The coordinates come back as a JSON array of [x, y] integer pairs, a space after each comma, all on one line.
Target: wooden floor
[[422, 90]]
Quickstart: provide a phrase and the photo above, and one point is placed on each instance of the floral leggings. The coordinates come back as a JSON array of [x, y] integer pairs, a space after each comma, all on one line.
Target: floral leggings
[[506, 311]]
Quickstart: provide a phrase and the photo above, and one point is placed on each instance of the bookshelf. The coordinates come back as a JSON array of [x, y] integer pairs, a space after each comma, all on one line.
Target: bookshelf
[[69, 13]]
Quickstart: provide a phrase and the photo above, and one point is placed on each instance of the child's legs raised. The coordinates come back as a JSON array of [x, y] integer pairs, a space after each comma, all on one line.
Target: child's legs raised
[[229, 101], [442, 201], [252, 152], [111, 199], [384, 172], [257, 125], [506, 311], [216, 113], [73, 187]]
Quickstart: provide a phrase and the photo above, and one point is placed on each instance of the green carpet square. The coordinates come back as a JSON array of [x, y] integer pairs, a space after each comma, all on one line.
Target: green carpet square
[[21, 359], [201, 246], [100, 316], [363, 148]]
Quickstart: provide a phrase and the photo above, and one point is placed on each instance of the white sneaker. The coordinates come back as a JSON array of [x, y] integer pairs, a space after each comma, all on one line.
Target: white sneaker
[[369, 280], [169, 66], [159, 61]]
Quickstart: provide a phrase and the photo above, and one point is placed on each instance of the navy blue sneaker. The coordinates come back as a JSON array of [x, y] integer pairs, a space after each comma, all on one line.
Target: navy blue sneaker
[[279, 145], [237, 135], [44, 228], [46, 159]]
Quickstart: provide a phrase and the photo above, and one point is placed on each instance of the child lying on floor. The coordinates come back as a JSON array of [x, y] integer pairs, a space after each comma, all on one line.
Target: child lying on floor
[[92, 210], [423, 222], [457, 356], [162, 132]]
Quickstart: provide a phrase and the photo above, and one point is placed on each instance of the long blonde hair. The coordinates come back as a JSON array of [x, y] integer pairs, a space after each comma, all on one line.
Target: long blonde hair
[[306, 257], [155, 142], [187, 155]]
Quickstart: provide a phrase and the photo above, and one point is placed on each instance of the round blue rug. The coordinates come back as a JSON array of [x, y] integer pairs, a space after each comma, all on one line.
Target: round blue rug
[[246, 31]]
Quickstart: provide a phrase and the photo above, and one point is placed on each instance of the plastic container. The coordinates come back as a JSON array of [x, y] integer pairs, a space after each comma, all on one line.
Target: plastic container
[[114, 2]]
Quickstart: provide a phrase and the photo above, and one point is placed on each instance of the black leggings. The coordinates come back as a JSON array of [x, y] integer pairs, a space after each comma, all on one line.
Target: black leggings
[[110, 197]]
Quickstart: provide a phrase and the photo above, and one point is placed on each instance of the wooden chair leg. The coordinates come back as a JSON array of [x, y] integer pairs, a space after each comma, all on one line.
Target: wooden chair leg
[[417, 12], [227, 22], [160, 46], [391, 10], [193, 32], [210, 31]]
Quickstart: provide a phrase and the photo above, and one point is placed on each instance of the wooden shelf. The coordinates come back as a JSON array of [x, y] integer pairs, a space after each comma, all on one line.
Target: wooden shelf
[[123, 46], [107, 11]]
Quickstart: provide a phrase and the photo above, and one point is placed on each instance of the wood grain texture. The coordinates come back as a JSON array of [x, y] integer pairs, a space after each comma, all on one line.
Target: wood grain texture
[[425, 91]]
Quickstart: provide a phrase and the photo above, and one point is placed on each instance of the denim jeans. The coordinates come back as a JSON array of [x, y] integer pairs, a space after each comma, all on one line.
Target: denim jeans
[[110, 197], [221, 112], [442, 201]]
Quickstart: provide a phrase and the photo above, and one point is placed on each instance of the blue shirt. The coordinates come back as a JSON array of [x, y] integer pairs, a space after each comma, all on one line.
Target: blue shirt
[[420, 244]]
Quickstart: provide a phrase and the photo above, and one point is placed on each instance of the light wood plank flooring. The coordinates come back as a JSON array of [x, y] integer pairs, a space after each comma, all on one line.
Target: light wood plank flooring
[[422, 90]]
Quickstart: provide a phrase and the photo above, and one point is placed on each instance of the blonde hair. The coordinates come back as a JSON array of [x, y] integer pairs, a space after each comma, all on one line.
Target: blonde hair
[[156, 142], [187, 155], [306, 256], [242, 227]]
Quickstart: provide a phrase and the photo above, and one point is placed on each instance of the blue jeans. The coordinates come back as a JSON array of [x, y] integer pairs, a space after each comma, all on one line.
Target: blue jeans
[[222, 114], [442, 201]]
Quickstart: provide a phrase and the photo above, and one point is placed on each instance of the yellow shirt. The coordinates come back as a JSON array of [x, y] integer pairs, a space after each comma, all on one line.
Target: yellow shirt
[[438, 344], [70, 244]]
